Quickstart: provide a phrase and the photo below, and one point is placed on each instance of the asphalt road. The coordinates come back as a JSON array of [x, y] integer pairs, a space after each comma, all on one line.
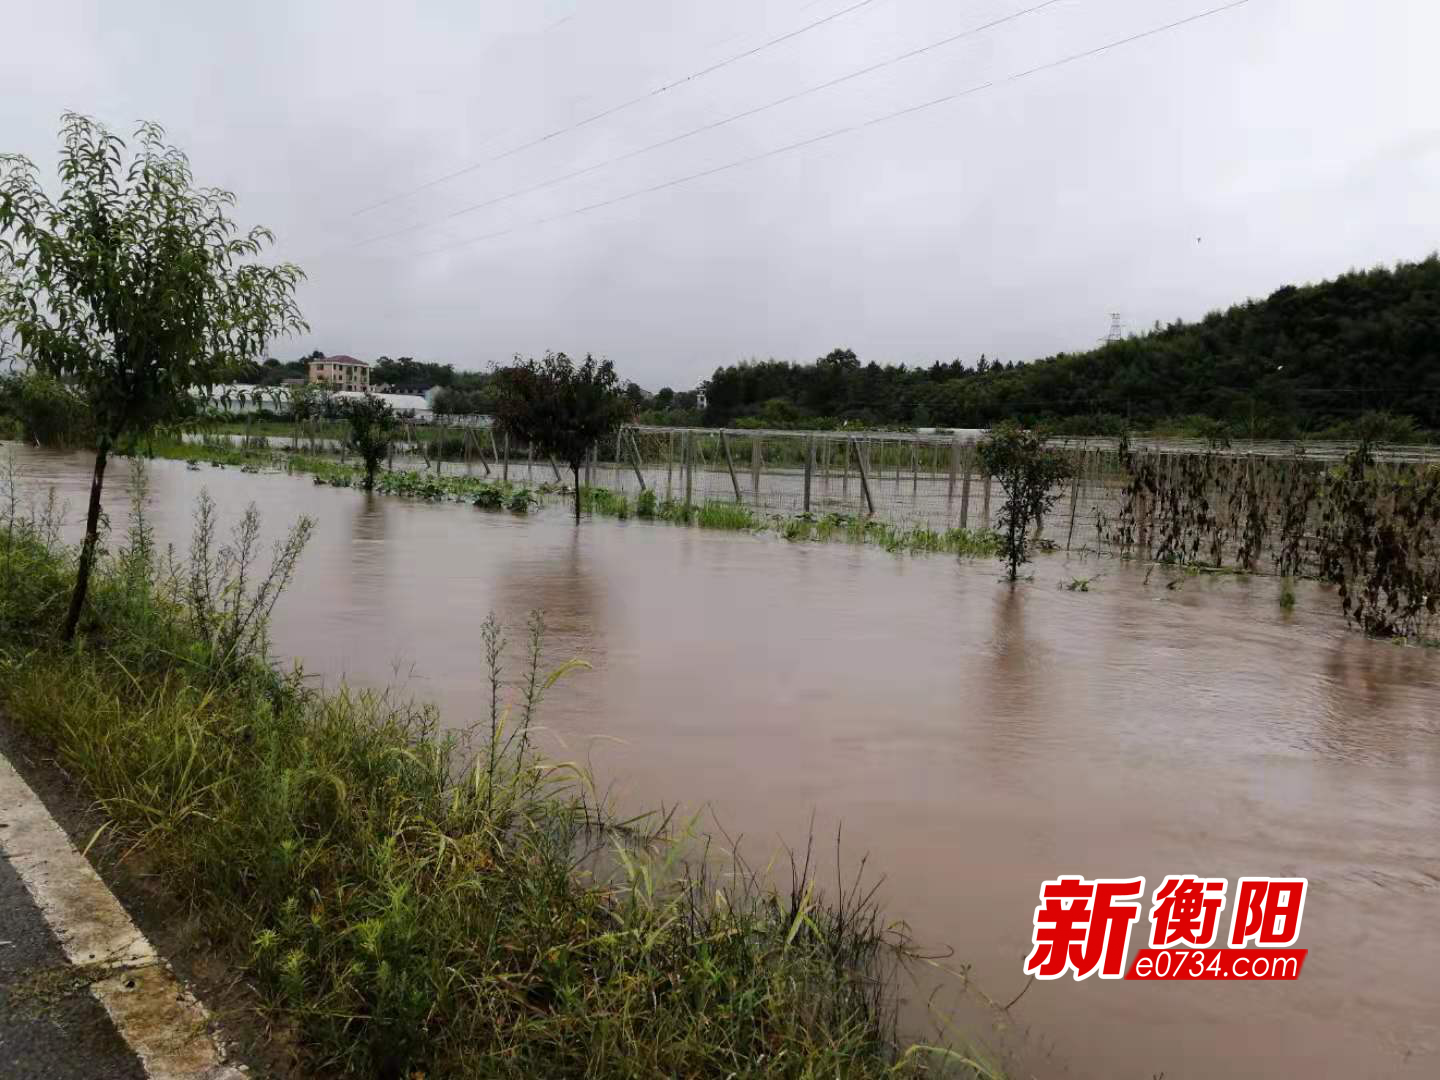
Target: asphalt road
[[51, 1028]]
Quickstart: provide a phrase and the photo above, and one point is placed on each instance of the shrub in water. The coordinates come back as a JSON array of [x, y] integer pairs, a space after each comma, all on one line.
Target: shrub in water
[[489, 498]]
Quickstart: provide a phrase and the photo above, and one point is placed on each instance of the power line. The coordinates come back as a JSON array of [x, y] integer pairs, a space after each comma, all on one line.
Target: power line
[[850, 129], [704, 128], [612, 110]]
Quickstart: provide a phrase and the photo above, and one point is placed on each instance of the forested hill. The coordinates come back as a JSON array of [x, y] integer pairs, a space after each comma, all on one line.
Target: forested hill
[[1304, 361]]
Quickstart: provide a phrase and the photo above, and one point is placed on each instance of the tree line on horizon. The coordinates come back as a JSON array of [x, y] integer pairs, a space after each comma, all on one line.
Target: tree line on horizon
[[1313, 360], [1359, 354]]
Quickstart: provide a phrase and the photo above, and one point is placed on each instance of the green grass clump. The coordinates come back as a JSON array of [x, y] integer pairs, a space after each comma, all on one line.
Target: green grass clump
[[329, 473], [916, 539], [423, 485], [412, 901], [599, 500], [415, 485], [1287, 593], [797, 528], [726, 515], [645, 504], [675, 512], [210, 450], [489, 498]]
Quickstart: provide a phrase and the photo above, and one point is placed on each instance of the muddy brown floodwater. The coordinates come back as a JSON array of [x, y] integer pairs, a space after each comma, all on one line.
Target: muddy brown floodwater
[[974, 740]]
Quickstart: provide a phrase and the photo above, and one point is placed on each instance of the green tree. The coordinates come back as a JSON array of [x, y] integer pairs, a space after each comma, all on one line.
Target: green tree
[[406, 375], [306, 402], [1028, 473], [1315, 359], [133, 287], [562, 408], [454, 401], [372, 427], [46, 410]]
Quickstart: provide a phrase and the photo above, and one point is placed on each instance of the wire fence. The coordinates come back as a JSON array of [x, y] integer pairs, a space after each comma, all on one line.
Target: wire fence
[[930, 480], [937, 481]]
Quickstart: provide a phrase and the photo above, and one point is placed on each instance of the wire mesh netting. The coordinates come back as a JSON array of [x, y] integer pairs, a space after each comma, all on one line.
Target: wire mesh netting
[[1182, 498], [937, 481]]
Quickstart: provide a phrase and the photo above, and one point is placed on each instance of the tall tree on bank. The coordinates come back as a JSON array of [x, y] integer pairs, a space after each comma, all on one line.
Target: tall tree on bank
[[561, 408], [133, 287]]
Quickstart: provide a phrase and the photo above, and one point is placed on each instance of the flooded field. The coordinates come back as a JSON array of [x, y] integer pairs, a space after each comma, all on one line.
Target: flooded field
[[974, 740]]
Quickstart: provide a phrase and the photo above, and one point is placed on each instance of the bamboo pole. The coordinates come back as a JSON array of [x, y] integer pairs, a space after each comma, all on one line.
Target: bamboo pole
[[1074, 503], [969, 454], [730, 464], [809, 468], [954, 470], [635, 449], [1144, 523], [689, 468], [480, 453], [864, 479], [669, 461], [755, 458]]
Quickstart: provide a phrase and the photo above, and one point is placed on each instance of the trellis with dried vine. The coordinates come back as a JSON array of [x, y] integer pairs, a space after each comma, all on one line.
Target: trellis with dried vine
[[1372, 530]]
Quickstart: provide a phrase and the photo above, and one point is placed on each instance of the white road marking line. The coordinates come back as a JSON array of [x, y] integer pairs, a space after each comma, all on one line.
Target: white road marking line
[[164, 1025]]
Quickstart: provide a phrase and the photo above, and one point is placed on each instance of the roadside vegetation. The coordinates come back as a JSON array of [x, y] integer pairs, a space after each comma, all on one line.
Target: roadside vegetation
[[411, 900]]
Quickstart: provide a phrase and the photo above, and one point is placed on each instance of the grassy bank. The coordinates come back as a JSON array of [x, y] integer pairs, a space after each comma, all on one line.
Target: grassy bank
[[410, 902], [490, 493]]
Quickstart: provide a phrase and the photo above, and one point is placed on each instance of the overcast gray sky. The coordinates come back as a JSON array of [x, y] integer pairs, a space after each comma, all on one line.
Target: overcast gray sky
[[1286, 140]]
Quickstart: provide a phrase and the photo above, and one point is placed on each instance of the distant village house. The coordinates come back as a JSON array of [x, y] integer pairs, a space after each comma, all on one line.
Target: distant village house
[[341, 373]]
